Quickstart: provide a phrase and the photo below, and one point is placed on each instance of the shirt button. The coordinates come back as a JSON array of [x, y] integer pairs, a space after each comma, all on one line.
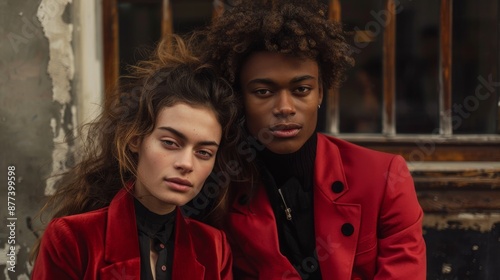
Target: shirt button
[[162, 246], [163, 267]]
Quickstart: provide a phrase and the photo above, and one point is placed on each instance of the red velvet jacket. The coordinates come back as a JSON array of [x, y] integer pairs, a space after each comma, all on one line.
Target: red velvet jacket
[[103, 244], [366, 215]]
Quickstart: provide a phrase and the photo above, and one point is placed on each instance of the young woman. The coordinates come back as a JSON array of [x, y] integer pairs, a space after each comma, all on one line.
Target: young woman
[[117, 212], [320, 207]]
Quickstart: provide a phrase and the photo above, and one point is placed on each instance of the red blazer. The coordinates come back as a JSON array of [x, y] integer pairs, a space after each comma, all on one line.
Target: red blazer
[[104, 244], [366, 215]]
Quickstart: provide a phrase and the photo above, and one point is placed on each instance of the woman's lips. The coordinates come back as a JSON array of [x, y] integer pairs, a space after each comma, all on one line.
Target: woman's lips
[[178, 184]]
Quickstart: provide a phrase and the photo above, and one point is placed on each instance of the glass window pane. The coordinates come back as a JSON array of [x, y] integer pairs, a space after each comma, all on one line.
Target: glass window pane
[[360, 96], [475, 66], [139, 31], [417, 67], [189, 15]]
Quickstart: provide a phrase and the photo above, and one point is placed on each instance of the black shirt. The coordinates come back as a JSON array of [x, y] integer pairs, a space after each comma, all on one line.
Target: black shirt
[[289, 183], [155, 230]]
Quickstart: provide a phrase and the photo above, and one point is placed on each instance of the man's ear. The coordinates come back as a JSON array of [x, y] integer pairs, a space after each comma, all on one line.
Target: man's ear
[[134, 144]]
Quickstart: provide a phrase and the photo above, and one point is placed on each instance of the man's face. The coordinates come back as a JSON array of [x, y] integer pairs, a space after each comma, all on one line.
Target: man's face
[[281, 97]]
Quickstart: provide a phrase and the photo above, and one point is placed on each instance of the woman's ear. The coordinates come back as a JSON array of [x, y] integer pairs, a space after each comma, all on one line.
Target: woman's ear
[[134, 144]]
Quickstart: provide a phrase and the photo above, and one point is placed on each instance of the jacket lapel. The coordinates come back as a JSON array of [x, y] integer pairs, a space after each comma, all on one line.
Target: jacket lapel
[[124, 261], [257, 216], [336, 223], [186, 265]]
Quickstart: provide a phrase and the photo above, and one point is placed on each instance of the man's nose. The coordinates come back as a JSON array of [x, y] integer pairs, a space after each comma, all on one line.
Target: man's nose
[[284, 104]]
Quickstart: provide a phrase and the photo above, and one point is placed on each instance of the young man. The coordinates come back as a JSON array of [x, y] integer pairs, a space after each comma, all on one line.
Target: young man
[[320, 208]]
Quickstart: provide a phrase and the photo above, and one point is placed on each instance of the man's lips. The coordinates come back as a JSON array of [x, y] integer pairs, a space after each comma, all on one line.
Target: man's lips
[[285, 126], [285, 130]]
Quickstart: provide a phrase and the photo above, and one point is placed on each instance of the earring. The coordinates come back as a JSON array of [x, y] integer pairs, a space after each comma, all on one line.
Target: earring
[[319, 106]]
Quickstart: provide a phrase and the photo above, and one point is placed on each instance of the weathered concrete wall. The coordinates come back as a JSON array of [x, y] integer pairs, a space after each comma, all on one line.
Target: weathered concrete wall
[[36, 111]]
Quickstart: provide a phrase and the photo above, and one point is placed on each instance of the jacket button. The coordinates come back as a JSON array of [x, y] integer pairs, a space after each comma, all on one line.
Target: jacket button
[[243, 199], [337, 187], [347, 229]]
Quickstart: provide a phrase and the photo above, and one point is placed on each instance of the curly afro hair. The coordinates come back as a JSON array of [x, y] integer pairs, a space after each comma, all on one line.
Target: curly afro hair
[[291, 27]]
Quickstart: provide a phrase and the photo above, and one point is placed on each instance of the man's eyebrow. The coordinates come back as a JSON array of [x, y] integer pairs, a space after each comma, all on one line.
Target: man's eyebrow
[[271, 82], [261, 81], [302, 78], [184, 138]]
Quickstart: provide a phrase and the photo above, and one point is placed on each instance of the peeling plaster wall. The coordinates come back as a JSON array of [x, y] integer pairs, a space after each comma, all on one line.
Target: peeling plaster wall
[[61, 70], [36, 112]]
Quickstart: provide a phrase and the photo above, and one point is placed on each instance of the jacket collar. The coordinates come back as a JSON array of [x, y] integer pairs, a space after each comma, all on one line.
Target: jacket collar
[[121, 229], [329, 169], [184, 252], [122, 245], [335, 250]]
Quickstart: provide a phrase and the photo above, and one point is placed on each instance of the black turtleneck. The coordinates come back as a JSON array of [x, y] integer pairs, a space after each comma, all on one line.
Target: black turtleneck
[[292, 175], [156, 231]]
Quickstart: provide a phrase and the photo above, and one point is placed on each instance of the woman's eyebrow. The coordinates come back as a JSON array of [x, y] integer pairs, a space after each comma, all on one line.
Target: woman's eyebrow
[[184, 138]]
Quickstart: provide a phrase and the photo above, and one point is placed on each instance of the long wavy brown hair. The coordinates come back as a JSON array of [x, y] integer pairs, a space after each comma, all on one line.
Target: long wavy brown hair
[[172, 75]]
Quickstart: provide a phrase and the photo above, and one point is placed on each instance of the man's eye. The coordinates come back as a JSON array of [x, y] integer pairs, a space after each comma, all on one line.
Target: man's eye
[[262, 91], [302, 90]]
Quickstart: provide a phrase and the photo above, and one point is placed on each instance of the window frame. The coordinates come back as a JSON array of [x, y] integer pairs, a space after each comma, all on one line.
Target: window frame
[[445, 145]]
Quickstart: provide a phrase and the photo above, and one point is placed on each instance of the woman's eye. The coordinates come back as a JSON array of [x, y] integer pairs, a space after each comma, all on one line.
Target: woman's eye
[[169, 143], [205, 154]]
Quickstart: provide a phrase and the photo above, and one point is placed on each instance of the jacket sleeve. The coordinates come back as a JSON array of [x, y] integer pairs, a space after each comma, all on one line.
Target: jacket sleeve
[[59, 255], [401, 251]]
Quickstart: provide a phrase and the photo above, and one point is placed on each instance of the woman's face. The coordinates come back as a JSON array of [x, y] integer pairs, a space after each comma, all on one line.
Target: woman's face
[[176, 158], [281, 95]]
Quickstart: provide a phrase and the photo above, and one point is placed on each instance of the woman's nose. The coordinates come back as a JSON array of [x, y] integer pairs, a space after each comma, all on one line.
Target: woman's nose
[[184, 162]]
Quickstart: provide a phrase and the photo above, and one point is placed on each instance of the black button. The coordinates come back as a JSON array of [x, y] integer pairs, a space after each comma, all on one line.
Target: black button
[[243, 199], [337, 187], [347, 229]]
